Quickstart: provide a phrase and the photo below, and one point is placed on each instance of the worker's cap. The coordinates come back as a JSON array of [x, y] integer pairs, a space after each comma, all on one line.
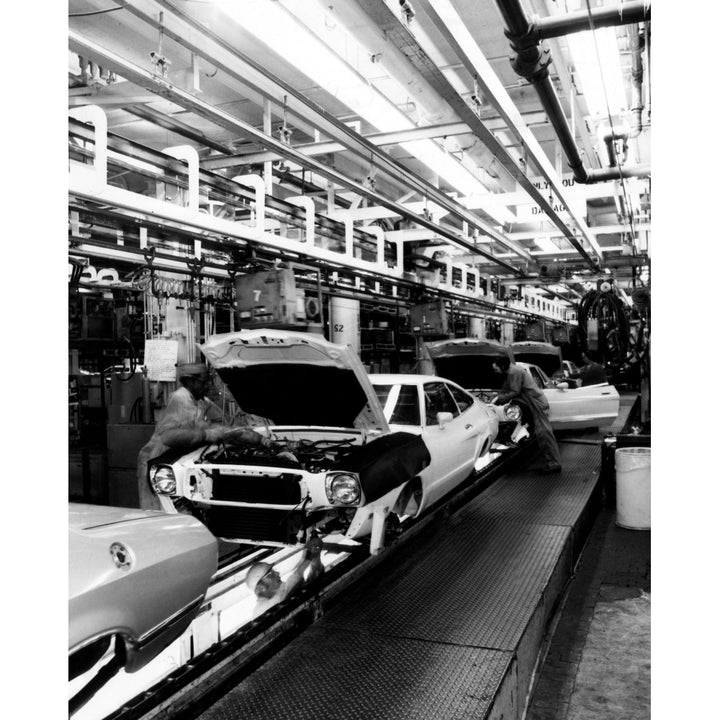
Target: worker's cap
[[256, 573], [192, 370]]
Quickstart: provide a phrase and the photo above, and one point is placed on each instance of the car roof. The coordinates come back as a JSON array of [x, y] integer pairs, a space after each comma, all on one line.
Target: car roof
[[405, 378]]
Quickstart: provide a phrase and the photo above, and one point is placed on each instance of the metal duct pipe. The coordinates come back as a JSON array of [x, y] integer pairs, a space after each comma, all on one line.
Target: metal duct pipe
[[531, 62], [636, 104], [560, 25]]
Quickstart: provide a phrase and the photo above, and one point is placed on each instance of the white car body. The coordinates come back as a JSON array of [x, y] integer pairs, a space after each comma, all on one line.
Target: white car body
[[325, 411], [457, 427], [576, 408], [138, 575]]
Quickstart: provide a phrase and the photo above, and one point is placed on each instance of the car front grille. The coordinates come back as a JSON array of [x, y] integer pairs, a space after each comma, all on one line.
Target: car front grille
[[254, 523], [281, 490]]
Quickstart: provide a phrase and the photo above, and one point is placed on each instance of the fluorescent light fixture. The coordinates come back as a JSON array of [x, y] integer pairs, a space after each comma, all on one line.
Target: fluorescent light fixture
[[546, 244], [585, 59], [312, 55]]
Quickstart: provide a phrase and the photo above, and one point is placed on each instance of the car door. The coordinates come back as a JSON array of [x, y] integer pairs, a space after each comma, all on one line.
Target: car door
[[579, 407], [453, 445]]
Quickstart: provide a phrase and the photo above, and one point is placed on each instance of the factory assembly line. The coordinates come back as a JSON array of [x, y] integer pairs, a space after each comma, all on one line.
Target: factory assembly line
[[228, 635], [358, 318]]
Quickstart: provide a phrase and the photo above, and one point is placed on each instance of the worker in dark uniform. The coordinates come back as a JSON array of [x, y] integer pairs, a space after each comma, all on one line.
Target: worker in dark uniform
[[592, 372], [190, 420], [519, 384]]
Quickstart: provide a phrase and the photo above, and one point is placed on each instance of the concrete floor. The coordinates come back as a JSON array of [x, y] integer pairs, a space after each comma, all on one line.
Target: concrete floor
[[598, 662]]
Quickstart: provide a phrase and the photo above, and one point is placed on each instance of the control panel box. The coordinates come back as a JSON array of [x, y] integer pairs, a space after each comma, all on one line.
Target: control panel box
[[429, 319]]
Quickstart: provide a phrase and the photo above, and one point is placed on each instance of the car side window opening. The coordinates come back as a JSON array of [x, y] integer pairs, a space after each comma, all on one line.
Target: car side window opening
[[464, 400], [407, 407], [438, 399]]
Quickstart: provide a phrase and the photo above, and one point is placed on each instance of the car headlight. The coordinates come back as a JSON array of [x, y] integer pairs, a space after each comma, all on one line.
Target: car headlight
[[343, 488], [162, 479], [513, 412]]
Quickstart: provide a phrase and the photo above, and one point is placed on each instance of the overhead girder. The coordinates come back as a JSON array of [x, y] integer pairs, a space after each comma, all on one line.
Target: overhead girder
[[181, 27], [403, 38], [164, 88], [330, 146]]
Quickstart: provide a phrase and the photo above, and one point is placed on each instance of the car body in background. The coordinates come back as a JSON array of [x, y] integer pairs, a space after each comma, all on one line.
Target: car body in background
[[546, 356], [573, 408], [570, 368], [468, 362], [456, 427], [136, 581], [347, 469]]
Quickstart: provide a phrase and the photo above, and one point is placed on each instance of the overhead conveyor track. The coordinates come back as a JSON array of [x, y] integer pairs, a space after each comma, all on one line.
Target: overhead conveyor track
[[162, 87]]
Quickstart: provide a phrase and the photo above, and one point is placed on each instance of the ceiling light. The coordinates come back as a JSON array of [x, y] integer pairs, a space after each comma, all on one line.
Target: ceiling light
[[600, 89], [274, 25]]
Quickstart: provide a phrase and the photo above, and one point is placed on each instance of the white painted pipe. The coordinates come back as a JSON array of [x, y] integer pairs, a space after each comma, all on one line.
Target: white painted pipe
[[256, 183], [96, 116], [308, 204], [190, 155], [380, 238]]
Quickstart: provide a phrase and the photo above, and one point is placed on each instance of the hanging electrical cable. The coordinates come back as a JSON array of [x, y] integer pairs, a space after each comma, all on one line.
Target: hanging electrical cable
[[603, 326]]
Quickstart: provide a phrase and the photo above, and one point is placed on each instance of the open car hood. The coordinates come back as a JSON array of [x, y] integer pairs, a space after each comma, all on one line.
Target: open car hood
[[294, 378], [544, 355], [468, 361]]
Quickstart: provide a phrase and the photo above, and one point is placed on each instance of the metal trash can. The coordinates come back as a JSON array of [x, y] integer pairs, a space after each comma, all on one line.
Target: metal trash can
[[632, 481]]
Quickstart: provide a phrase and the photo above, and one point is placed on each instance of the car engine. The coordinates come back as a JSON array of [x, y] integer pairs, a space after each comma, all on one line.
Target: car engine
[[309, 455]]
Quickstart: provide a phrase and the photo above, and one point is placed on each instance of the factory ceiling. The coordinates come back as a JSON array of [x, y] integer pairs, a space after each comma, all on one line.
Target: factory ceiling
[[521, 129]]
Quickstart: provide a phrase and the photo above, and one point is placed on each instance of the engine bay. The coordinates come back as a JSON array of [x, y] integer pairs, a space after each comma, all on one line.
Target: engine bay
[[309, 455]]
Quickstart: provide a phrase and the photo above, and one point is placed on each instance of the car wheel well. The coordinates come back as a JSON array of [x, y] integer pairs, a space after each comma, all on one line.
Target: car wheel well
[[408, 502], [88, 656]]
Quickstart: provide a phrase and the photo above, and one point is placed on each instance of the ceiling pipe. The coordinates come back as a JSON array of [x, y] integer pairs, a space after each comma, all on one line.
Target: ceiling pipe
[[531, 62], [636, 105], [628, 13]]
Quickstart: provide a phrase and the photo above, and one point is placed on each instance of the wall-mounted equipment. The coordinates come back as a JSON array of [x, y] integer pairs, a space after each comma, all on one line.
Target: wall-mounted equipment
[[429, 319], [268, 299]]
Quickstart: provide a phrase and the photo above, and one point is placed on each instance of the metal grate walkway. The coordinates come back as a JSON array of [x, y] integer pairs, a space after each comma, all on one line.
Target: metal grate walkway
[[450, 630]]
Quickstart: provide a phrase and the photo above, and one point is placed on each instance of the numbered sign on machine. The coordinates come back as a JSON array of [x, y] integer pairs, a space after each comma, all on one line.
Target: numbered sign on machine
[[161, 357]]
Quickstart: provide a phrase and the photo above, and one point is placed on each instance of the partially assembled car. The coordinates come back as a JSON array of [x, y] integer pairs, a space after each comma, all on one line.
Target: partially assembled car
[[469, 362], [546, 356], [456, 427], [573, 408], [347, 469], [136, 580]]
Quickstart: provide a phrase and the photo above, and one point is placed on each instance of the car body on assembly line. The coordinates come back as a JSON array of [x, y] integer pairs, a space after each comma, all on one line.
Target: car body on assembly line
[[347, 471], [456, 427], [469, 361], [136, 581], [573, 408]]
